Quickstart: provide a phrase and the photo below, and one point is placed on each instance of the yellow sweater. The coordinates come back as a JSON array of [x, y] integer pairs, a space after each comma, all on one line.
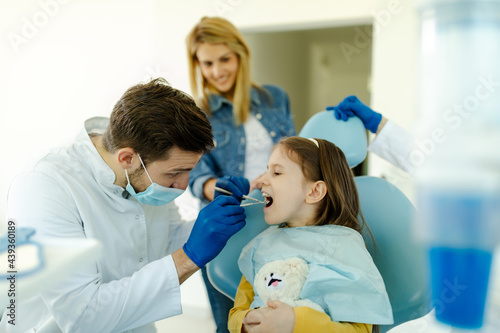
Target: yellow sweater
[[306, 319]]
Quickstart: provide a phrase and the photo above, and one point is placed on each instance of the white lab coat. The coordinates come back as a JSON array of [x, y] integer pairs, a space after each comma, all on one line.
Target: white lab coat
[[395, 145], [70, 193]]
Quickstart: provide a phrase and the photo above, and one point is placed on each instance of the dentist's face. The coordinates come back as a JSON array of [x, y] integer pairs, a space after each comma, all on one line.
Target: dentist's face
[[172, 172], [219, 66]]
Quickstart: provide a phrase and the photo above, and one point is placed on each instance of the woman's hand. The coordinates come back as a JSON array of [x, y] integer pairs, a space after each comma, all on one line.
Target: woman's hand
[[278, 317], [256, 183]]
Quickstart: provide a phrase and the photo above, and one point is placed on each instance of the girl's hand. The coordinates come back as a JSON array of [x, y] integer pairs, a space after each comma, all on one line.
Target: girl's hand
[[278, 317]]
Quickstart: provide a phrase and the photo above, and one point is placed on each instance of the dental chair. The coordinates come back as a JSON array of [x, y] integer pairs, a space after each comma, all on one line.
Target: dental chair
[[386, 210]]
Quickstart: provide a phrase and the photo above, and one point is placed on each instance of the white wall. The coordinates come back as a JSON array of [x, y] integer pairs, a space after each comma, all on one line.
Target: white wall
[[394, 77], [62, 63]]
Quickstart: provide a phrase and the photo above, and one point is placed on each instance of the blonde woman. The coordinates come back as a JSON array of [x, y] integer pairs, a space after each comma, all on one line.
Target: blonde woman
[[247, 119]]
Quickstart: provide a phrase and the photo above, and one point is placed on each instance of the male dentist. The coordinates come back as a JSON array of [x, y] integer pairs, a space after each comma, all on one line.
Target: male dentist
[[116, 183]]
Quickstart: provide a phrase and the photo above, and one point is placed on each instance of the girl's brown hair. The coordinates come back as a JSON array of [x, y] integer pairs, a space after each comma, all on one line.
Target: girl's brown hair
[[328, 163], [216, 30]]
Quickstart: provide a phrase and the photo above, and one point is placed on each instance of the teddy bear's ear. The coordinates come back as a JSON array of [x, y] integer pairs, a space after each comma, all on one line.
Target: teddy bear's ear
[[296, 262], [299, 264]]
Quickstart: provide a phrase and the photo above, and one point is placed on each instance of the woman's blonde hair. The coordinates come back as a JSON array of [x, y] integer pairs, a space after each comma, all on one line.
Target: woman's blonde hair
[[216, 30]]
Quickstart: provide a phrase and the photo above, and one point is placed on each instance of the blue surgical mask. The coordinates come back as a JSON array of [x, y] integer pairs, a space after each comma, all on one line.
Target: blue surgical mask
[[155, 194]]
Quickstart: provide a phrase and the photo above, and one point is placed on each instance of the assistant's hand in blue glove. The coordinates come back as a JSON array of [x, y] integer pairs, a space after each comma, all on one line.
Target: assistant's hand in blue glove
[[238, 186], [339, 114], [216, 223], [352, 106]]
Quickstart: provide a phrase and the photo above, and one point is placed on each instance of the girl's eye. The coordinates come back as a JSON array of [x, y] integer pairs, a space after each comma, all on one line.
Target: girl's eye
[[225, 59], [276, 173]]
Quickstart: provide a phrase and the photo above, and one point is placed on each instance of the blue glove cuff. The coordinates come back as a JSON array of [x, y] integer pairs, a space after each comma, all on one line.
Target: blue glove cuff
[[372, 124], [193, 257]]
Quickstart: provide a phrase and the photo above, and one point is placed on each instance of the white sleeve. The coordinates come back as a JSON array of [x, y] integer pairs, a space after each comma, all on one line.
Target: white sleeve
[[179, 229], [150, 294], [394, 144], [83, 302]]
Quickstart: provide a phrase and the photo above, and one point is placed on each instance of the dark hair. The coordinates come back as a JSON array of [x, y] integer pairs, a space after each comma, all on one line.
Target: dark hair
[[328, 163], [153, 117]]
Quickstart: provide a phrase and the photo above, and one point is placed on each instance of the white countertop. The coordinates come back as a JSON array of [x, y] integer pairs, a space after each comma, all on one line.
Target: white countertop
[[60, 256]]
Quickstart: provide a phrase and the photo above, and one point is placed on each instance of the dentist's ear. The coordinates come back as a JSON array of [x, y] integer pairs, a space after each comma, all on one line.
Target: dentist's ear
[[317, 192], [127, 158]]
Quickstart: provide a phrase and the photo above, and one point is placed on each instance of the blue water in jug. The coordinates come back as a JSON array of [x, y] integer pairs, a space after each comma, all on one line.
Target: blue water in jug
[[459, 285]]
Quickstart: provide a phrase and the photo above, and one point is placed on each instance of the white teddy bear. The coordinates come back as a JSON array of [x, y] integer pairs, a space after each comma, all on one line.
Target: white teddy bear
[[283, 280]]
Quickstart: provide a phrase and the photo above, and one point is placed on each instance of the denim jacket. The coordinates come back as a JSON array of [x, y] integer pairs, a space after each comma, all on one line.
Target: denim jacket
[[228, 156]]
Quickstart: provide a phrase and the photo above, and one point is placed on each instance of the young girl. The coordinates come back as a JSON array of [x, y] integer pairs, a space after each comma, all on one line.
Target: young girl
[[313, 208]]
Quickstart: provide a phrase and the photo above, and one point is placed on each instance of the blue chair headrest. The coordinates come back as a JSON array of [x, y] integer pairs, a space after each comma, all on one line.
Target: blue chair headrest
[[349, 136]]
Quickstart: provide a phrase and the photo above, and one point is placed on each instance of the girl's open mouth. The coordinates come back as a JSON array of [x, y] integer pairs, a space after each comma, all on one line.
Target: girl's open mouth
[[268, 199]]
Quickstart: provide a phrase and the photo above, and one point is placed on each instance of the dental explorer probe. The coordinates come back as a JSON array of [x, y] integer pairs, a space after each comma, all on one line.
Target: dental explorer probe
[[243, 196]]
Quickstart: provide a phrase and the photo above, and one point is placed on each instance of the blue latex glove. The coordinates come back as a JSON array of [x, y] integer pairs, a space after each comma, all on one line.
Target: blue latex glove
[[216, 223], [238, 186], [339, 114], [352, 106]]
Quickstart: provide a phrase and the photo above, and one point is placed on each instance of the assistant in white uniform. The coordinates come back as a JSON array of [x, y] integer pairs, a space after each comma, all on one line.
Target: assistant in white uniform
[[391, 143]]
